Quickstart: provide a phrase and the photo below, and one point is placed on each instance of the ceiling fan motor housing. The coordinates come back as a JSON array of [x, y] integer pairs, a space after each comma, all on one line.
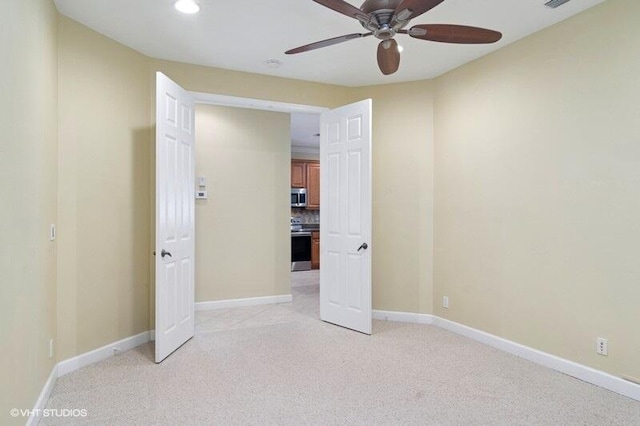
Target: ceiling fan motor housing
[[382, 24], [370, 6]]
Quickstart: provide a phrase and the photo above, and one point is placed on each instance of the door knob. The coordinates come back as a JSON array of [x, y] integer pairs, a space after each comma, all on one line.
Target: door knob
[[165, 253], [363, 246]]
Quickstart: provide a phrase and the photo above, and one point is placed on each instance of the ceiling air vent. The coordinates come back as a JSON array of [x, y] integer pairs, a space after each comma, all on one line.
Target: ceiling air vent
[[555, 3]]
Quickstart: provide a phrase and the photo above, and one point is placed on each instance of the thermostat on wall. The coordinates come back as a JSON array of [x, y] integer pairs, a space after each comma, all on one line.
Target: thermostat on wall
[[201, 195]]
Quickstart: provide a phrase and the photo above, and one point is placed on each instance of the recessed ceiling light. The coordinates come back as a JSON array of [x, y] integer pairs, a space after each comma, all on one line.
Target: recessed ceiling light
[[187, 6]]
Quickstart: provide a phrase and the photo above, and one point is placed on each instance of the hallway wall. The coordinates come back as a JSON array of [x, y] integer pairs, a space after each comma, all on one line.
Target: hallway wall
[[243, 241]]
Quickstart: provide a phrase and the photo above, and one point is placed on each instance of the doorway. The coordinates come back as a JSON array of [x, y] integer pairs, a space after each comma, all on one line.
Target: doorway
[[305, 211], [303, 144], [348, 278]]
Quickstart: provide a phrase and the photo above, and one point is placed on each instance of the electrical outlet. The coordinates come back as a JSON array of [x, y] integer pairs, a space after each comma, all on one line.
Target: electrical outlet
[[50, 348], [445, 302], [602, 346]]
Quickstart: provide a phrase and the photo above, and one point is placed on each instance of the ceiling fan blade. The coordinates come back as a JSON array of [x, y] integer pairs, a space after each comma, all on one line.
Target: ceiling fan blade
[[325, 43], [345, 8], [416, 7], [388, 56], [460, 34]]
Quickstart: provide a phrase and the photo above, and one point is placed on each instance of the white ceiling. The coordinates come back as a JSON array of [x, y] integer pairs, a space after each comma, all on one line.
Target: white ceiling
[[304, 128], [243, 34]]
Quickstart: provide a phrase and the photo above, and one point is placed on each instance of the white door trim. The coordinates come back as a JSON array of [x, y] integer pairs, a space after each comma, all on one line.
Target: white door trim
[[252, 103]]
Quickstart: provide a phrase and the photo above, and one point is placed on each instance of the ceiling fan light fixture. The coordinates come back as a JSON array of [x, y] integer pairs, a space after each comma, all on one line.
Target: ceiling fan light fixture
[[403, 15], [187, 6], [417, 32]]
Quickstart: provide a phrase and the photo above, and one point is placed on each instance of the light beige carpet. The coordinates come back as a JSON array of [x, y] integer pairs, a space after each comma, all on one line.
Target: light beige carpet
[[299, 370], [305, 278]]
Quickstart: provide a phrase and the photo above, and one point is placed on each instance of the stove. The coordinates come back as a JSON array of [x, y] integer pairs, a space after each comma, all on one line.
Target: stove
[[300, 246]]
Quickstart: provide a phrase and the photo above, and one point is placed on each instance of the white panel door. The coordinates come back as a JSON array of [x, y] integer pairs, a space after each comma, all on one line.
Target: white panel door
[[175, 219], [345, 234]]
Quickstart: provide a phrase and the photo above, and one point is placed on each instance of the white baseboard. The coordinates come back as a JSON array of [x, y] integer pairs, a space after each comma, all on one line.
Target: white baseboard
[[97, 355], [41, 403], [72, 364], [402, 317], [579, 371], [249, 301]]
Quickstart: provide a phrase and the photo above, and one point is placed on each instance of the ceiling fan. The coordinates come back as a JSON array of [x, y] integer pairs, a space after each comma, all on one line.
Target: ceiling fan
[[386, 18]]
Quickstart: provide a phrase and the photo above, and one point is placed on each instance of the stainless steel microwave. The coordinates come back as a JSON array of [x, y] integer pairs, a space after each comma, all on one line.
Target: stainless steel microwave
[[298, 197]]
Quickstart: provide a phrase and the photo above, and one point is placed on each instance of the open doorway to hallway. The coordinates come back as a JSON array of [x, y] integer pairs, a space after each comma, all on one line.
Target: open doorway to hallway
[[305, 204]]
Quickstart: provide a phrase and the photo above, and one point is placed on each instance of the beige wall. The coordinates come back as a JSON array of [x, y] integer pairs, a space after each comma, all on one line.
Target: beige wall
[[537, 195], [28, 119], [104, 190], [402, 195], [255, 86], [242, 230]]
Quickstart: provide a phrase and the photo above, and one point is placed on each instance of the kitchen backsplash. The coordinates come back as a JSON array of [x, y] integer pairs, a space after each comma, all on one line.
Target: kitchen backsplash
[[306, 216]]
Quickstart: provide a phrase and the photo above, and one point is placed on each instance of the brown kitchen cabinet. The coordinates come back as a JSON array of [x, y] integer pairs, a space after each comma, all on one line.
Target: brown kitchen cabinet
[[315, 250], [298, 174], [313, 186]]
